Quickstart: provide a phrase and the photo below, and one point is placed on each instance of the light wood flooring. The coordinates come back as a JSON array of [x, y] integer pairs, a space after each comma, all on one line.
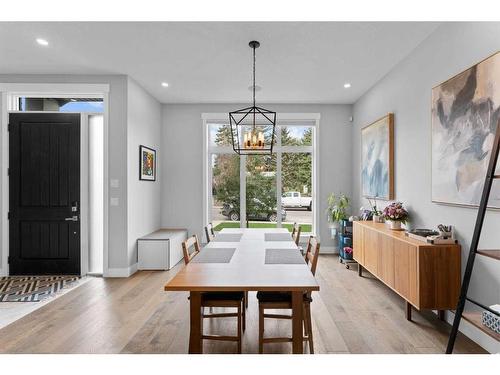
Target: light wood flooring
[[134, 315]]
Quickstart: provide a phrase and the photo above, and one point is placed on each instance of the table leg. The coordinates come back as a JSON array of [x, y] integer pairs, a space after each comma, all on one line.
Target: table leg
[[297, 334], [195, 341]]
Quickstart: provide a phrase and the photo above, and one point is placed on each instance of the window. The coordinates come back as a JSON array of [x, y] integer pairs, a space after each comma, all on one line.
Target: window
[[277, 189], [66, 104]]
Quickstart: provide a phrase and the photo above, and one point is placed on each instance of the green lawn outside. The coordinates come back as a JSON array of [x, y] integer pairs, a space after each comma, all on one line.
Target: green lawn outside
[[306, 228]]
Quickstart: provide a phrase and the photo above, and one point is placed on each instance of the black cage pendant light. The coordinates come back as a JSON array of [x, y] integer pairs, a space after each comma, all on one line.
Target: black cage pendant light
[[252, 128]]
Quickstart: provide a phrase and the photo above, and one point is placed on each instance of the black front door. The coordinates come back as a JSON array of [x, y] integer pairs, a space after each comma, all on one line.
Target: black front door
[[44, 193]]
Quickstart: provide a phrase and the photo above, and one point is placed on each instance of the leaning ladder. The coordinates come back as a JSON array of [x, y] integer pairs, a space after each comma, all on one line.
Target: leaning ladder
[[475, 319]]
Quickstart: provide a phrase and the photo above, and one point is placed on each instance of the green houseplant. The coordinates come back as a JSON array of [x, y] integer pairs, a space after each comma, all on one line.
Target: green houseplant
[[337, 210]]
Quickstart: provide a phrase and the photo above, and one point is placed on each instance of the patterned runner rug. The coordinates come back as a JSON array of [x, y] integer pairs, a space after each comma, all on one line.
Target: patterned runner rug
[[32, 288]]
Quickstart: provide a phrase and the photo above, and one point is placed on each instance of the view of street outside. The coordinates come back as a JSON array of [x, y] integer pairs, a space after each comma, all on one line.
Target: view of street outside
[[293, 215], [260, 181]]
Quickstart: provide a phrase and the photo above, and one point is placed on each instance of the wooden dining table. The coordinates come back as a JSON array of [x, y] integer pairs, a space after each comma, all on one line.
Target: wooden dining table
[[246, 271]]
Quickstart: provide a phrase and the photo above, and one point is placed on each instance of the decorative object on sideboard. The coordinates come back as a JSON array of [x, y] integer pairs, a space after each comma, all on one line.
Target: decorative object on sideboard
[[432, 236], [377, 159], [491, 320], [147, 163], [336, 211], [395, 215], [377, 216], [465, 111]]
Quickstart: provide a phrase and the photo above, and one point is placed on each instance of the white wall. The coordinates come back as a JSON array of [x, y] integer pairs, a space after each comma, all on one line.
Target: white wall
[[117, 257], [182, 160], [406, 91], [144, 128]]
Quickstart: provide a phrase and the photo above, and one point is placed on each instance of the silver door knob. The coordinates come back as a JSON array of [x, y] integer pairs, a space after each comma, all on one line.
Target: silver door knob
[[72, 218]]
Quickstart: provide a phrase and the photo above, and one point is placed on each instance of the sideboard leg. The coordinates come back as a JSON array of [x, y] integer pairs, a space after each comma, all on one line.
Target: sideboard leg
[[408, 310], [441, 315], [360, 270]]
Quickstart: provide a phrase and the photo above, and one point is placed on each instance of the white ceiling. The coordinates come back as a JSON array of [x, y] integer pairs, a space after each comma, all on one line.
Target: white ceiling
[[210, 62]]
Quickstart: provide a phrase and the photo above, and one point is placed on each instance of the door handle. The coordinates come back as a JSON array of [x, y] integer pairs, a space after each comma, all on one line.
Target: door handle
[[72, 218]]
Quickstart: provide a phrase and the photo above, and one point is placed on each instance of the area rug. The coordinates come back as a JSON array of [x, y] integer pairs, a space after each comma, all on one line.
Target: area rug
[[32, 288]]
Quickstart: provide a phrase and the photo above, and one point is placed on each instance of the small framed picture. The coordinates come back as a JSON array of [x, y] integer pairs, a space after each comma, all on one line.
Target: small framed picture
[[147, 163]]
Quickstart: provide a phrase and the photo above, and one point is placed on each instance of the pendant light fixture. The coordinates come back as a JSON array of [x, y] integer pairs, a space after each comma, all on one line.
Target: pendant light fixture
[[252, 128]]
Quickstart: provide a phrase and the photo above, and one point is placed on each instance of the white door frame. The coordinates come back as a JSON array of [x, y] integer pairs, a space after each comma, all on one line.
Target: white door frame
[[281, 119], [63, 90]]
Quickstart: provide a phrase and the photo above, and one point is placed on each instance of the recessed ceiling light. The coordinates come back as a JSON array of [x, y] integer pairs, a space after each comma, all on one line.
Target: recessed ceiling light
[[42, 42], [164, 84], [347, 85]]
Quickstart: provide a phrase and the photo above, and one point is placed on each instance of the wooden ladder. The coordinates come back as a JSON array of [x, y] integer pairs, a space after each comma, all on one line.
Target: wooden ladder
[[475, 318]]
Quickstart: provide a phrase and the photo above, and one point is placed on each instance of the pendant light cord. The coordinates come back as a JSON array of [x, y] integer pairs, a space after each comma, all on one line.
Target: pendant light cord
[[253, 88], [254, 76]]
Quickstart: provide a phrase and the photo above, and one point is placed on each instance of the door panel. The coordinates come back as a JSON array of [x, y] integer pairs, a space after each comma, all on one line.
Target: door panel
[[386, 259], [44, 192], [405, 271], [371, 249]]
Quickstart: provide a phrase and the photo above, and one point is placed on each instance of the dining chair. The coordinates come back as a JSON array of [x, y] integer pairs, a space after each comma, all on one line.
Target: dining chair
[[217, 299], [296, 236], [209, 231], [283, 300]]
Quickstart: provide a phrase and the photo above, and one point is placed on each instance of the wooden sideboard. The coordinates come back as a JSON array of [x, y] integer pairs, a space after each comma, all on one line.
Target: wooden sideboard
[[426, 276]]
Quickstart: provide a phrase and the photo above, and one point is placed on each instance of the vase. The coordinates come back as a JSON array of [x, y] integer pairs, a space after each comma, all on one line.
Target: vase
[[394, 225], [377, 218]]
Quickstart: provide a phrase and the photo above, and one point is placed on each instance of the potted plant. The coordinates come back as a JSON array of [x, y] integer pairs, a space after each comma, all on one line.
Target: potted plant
[[337, 211], [395, 214], [376, 213]]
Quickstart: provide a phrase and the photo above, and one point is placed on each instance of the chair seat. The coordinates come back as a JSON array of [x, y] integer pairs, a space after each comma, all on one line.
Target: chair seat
[[222, 296], [279, 297]]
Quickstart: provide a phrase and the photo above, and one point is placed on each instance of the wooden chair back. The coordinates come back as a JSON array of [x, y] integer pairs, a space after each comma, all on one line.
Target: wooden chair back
[[312, 253], [296, 233], [186, 246], [209, 231]]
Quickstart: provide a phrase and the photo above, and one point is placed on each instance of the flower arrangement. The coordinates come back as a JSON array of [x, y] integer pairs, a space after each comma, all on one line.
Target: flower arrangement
[[396, 212]]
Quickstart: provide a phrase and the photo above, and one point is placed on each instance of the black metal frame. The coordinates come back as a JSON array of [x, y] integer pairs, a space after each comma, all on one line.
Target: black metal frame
[[253, 111], [490, 176], [141, 147], [235, 133]]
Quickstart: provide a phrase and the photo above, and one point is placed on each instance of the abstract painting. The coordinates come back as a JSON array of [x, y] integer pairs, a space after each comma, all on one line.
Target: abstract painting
[[377, 159], [465, 111], [147, 163]]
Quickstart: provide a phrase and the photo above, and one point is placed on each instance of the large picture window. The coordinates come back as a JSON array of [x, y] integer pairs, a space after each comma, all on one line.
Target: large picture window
[[262, 191]]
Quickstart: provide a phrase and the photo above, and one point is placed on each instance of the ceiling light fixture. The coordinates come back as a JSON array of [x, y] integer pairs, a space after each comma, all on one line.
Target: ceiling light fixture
[[42, 42], [164, 84], [347, 85], [252, 128]]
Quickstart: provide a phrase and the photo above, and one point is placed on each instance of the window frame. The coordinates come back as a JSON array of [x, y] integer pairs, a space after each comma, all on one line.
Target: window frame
[[283, 119]]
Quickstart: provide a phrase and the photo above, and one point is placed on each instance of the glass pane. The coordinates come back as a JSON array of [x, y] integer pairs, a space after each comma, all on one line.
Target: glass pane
[[296, 175], [261, 191], [27, 104], [296, 135], [225, 210], [219, 135]]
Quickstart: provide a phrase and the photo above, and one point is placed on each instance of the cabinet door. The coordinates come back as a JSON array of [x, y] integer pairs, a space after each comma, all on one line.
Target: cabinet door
[[371, 248], [405, 271], [357, 242], [386, 260]]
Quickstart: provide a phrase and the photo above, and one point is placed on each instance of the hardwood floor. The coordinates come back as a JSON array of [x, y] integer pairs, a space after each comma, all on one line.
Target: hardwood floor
[[134, 315]]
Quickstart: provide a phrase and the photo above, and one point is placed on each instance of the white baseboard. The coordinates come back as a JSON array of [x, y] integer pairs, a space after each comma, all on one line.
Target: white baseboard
[[3, 272], [329, 250], [121, 272]]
